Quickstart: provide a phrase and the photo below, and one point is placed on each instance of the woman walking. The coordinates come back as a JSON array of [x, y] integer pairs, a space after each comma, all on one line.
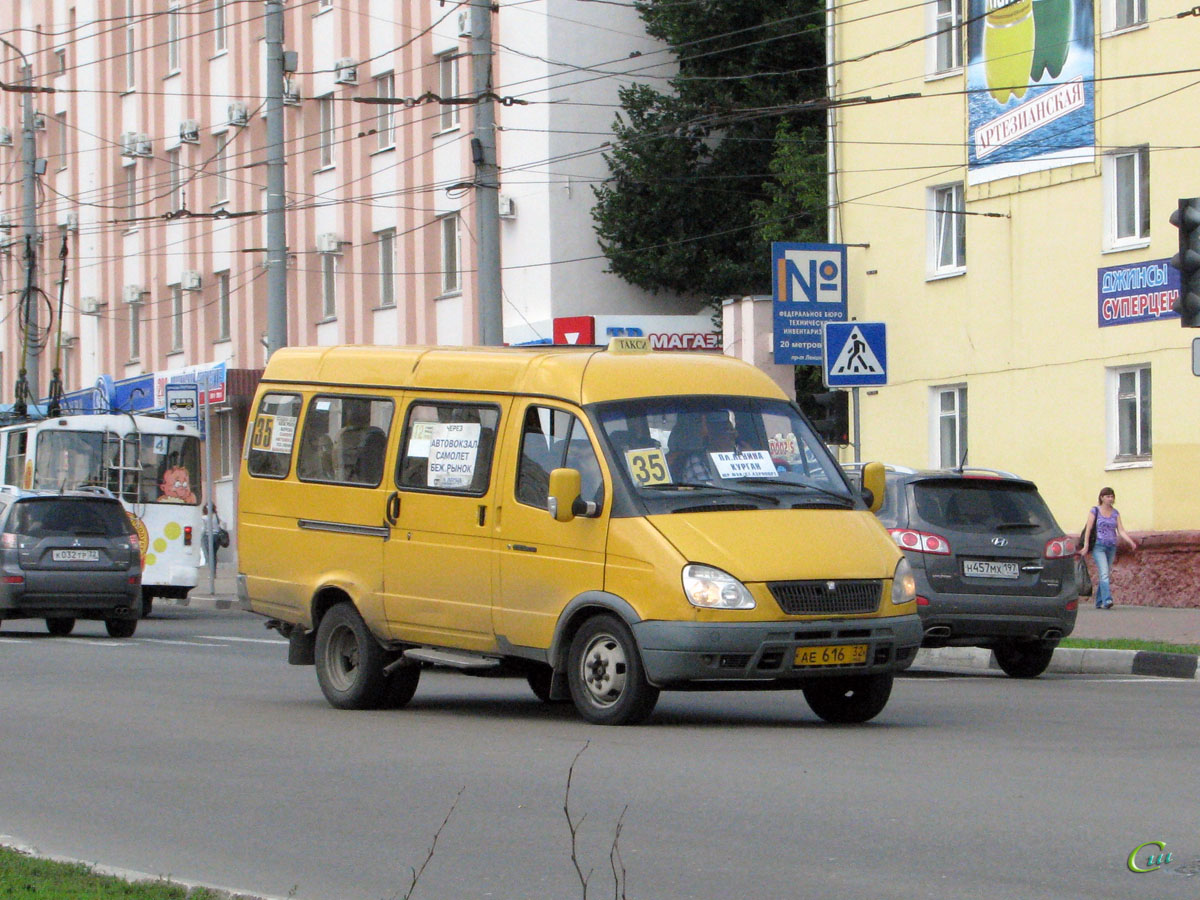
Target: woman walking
[[1101, 535]]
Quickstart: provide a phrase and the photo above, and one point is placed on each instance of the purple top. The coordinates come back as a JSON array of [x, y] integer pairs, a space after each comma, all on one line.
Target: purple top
[[1106, 527]]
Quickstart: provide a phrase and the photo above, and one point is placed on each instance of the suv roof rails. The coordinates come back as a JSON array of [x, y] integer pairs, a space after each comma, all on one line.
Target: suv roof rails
[[903, 470], [94, 489], [981, 470]]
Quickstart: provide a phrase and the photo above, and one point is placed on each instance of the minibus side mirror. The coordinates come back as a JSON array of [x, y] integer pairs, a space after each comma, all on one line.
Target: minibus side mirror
[[564, 500], [874, 480]]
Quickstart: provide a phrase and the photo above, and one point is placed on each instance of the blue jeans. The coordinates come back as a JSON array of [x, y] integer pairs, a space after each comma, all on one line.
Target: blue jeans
[[1104, 554]]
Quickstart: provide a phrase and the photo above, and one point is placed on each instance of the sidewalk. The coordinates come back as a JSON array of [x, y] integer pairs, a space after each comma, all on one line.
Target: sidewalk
[[1147, 623]]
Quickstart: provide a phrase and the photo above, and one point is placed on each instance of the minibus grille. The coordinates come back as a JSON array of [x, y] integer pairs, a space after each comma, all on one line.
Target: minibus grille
[[809, 598]]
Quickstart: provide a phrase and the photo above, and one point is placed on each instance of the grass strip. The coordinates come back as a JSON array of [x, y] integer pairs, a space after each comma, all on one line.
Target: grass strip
[[1130, 644], [25, 877]]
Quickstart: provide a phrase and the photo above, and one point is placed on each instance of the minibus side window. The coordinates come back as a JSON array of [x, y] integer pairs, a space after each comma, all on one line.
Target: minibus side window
[[344, 440], [448, 447], [552, 439], [272, 435]]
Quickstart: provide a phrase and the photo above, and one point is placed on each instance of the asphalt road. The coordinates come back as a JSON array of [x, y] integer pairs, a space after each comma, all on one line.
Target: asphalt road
[[193, 751]]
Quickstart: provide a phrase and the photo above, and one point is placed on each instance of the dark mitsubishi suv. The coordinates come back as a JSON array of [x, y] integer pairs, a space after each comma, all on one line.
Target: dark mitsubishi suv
[[67, 556]]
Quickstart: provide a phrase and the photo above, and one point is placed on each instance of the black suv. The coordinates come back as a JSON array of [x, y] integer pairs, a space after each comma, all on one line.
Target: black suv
[[67, 556], [993, 568]]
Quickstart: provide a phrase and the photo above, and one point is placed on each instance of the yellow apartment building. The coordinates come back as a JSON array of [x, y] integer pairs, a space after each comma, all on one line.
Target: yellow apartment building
[[1003, 171]]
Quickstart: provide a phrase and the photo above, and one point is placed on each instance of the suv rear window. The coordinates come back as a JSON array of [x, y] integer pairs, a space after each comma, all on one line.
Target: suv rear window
[[45, 518], [981, 505]]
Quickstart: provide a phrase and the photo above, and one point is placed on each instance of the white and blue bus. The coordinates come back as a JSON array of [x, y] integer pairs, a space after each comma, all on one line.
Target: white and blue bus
[[151, 465]]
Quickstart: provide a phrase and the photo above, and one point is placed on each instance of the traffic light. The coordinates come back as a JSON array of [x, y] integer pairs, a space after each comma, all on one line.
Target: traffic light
[[1187, 219], [830, 414]]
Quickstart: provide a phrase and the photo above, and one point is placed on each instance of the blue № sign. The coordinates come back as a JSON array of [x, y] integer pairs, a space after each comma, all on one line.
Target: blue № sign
[[855, 354], [1137, 292], [808, 283]]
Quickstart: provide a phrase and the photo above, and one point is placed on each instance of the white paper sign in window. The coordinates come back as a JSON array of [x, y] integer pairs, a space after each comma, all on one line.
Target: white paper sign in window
[[751, 464], [453, 447]]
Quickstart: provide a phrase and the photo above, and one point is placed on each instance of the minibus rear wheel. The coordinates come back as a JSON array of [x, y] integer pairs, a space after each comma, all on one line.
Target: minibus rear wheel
[[349, 660], [604, 671], [850, 699]]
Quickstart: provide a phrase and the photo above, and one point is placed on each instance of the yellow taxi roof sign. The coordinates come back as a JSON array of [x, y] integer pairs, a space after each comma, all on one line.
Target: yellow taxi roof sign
[[629, 345]]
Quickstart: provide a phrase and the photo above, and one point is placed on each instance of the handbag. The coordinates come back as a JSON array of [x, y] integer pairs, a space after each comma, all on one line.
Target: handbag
[[1083, 578]]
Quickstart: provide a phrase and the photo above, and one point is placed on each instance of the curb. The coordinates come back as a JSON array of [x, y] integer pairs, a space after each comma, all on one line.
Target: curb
[[1074, 661]]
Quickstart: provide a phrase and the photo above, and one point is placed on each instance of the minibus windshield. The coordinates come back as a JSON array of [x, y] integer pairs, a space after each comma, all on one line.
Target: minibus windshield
[[755, 447]]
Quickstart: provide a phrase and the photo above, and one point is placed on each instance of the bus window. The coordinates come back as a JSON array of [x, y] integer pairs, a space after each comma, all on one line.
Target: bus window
[[174, 460], [66, 460], [14, 464]]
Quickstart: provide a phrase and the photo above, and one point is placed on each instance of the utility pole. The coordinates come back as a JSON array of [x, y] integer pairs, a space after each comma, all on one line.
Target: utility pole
[[487, 180], [277, 311]]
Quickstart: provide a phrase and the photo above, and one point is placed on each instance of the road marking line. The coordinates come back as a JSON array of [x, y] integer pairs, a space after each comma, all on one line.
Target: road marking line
[[219, 637], [183, 643]]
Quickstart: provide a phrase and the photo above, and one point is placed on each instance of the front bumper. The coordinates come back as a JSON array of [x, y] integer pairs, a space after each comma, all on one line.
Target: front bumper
[[676, 654]]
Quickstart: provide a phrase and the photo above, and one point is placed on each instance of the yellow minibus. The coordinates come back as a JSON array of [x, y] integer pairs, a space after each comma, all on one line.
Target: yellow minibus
[[607, 523]]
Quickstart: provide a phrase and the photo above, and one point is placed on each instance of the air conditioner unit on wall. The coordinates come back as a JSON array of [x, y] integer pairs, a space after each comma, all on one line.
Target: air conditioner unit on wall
[[71, 221], [291, 95], [39, 122], [508, 208], [238, 114], [91, 306], [5, 136], [464, 24], [345, 71], [328, 243], [129, 144], [190, 280], [133, 293], [189, 131], [143, 146]]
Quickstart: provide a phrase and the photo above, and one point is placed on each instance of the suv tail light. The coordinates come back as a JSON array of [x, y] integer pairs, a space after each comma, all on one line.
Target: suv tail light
[[8, 540], [1059, 547], [920, 541]]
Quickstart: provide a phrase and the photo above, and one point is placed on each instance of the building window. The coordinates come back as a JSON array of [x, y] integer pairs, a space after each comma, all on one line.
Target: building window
[[60, 60], [385, 125], [221, 168], [325, 105], [218, 25], [131, 191], [64, 146], [175, 180], [387, 267], [176, 318], [947, 236], [135, 330], [222, 306], [448, 87], [1127, 197], [451, 283], [130, 44], [1129, 410], [328, 285], [945, 43], [1129, 13], [950, 426], [173, 25], [223, 425], [324, 4]]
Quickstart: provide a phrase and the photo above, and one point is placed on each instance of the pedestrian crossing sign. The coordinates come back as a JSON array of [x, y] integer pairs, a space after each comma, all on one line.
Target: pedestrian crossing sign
[[855, 354]]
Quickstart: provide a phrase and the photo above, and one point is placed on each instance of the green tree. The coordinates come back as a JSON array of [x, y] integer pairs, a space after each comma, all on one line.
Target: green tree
[[702, 174]]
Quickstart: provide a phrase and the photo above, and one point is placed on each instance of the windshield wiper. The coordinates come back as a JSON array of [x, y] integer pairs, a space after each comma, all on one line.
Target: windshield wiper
[[666, 485], [842, 499]]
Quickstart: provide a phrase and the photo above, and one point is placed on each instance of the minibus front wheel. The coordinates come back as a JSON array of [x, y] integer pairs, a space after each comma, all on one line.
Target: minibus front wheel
[[608, 683], [849, 699], [349, 660]]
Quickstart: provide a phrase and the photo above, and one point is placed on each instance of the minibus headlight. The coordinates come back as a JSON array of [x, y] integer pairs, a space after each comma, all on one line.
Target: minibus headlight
[[711, 588], [904, 585]]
